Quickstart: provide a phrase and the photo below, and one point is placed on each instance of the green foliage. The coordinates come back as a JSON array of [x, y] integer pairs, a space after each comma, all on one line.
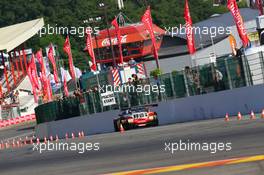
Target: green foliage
[[175, 72], [71, 13], [155, 73], [242, 4]]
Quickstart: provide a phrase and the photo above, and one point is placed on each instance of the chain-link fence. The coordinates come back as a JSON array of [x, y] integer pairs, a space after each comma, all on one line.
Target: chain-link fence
[[226, 73]]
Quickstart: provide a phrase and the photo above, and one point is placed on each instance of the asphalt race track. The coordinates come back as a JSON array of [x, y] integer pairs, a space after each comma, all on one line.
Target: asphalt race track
[[145, 149], [21, 130]]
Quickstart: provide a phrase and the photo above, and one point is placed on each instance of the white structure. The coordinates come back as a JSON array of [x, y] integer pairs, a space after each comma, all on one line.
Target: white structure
[[174, 54]]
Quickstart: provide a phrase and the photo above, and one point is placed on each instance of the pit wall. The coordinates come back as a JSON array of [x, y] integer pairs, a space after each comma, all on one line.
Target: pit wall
[[202, 107]]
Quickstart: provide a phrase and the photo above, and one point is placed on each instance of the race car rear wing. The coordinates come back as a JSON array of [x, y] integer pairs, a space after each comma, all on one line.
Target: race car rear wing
[[139, 107]]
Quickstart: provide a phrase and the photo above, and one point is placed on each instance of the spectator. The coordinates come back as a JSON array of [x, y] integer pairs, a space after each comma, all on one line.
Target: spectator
[[218, 81], [190, 80], [132, 62], [240, 80]]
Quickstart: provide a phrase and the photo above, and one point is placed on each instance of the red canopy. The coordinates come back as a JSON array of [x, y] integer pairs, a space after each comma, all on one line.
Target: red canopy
[[129, 34]]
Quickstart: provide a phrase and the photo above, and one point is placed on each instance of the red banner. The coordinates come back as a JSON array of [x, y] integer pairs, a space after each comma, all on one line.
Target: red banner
[[66, 91], [118, 33], [46, 87], [33, 83], [7, 81], [232, 6], [67, 49], [90, 49], [189, 31], [41, 62], [147, 21], [32, 70], [53, 62], [47, 91], [260, 6]]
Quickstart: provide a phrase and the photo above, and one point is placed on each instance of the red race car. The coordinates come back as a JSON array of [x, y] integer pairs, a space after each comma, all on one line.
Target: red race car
[[135, 117]]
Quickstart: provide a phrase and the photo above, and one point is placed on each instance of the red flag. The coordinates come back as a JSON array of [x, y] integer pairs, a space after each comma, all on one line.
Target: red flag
[[53, 62], [189, 31], [46, 87], [67, 49], [33, 72], [40, 60], [66, 91], [147, 21], [118, 33], [90, 49], [33, 83], [7, 81], [260, 6], [47, 91], [232, 6], [39, 56]]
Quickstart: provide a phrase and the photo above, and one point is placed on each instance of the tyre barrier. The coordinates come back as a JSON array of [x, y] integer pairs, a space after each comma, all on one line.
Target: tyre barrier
[[17, 120]]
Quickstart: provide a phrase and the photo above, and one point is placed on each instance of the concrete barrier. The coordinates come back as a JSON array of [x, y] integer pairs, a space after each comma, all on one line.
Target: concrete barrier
[[207, 106]]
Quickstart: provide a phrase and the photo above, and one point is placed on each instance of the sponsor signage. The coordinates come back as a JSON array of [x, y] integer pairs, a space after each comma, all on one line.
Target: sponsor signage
[[108, 98]]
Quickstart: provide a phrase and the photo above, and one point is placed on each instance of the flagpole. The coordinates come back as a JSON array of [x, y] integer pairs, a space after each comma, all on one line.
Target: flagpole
[[102, 5], [58, 63], [75, 80], [99, 55]]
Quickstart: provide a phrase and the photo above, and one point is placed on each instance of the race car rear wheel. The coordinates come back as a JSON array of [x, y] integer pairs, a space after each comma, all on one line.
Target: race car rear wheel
[[117, 125], [156, 122]]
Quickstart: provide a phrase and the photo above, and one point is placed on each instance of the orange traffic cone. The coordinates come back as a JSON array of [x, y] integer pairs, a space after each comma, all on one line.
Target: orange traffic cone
[[79, 134], [122, 130], [25, 141], [66, 136], [252, 115], [51, 138], [38, 142], [82, 133], [73, 136], [31, 140], [239, 116], [14, 143], [262, 114], [57, 138], [7, 144], [2, 145], [45, 139], [227, 117], [18, 143]]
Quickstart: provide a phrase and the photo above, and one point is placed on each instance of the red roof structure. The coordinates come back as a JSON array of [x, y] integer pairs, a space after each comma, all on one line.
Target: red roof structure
[[136, 42]]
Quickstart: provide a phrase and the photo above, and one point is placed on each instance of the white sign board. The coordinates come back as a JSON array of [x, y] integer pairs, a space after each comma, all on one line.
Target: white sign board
[[108, 98]]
